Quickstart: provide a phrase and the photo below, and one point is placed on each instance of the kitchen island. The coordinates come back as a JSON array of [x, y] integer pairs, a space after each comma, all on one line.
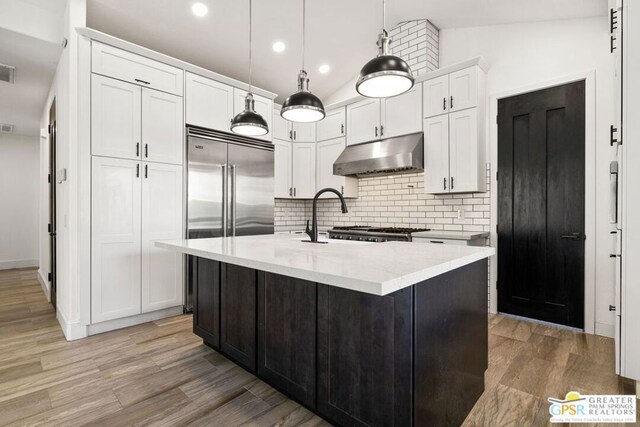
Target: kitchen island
[[361, 333]]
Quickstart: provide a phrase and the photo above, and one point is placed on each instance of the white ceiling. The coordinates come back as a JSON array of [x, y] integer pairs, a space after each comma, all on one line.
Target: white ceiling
[[341, 33], [35, 61]]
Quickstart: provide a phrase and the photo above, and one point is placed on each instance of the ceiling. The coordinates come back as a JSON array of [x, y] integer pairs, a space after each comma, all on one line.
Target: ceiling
[[35, 61], [340, 33]]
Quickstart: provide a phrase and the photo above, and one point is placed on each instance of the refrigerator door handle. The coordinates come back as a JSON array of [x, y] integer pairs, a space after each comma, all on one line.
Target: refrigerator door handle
[[225, 197], [233, 199]]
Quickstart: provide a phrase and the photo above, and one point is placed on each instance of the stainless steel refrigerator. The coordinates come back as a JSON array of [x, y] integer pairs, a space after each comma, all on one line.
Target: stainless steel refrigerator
[[229, 189]]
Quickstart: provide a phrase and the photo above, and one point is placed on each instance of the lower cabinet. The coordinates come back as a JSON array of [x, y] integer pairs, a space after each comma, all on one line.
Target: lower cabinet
[[287, 335], [365, 357], [206, 294], [238, 314]]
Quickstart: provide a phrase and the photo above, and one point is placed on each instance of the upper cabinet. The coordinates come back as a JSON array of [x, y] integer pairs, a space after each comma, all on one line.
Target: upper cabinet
[[283, 187], [209, 103], [333, 125], [130, 122], [456, 91], [264, 107], [303, 132], [326, 154], [373, 119], [122, 65], [281, 127], [292, 131]]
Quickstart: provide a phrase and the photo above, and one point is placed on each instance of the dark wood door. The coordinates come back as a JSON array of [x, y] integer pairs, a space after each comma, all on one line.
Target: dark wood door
[[52, 203], [541, 167], [364, 357], [287, 335], [238, 287], [206, 299]]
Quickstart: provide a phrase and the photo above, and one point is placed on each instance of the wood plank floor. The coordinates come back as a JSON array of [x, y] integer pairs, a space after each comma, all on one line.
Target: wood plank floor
[[160, 374]]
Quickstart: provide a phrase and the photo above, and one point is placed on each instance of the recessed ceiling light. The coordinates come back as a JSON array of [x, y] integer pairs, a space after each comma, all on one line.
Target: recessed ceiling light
[[199, 9], [279, 47], [324, 68]]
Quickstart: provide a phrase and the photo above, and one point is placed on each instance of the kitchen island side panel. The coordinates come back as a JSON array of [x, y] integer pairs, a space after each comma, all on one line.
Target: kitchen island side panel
[[450, 345]]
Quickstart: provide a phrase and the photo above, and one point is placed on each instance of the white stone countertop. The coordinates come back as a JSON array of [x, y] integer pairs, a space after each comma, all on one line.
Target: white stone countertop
[[374, 268], [453, 235]]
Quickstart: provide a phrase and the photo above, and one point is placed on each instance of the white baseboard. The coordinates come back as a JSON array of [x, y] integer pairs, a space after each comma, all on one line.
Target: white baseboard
[[72, 330], [18, 263], [45, 285], [605, 330], [111, 325]]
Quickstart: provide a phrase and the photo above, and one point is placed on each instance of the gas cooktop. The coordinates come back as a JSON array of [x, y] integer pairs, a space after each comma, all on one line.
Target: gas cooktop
[[373, 234]]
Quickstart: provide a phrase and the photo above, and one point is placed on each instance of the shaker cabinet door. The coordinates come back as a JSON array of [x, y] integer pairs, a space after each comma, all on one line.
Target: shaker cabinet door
[[464, 154], [402, 114], [332, 126], [282, 169], [436, 154], [161, 220], [463, 89], [303, 169], [162, 127], [115, 238], [436, 96], [115, 118], [363, 121], [208, 103]]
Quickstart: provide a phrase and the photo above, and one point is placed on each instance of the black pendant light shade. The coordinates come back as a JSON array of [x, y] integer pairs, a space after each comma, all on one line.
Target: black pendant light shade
[[385, 75], [248, 122], [303, 106]]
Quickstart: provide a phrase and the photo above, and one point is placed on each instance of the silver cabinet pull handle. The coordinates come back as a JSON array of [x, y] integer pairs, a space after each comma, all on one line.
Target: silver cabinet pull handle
[[376, 131], [146, 171], [452, 183], [451, 102], [146, 150], [342, 189], [138, 170], [294, 191], [295, 135], [137, 149], [290, 191], [445, 183], [290, 134], [342, 129], [381, 130], [444, 104]]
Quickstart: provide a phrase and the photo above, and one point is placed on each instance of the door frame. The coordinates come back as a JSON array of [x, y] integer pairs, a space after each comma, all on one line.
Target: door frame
[[589, 78], [53, 217]]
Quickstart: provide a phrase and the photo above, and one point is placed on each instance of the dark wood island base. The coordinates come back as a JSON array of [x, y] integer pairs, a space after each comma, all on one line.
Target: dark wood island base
[[416, 357]]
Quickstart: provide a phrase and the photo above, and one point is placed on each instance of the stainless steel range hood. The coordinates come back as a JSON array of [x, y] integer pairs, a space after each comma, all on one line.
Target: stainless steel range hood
[[393, 155]]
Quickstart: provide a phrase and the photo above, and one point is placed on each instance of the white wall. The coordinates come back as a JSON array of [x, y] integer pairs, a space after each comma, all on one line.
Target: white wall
[[521, 55], [19, 201]]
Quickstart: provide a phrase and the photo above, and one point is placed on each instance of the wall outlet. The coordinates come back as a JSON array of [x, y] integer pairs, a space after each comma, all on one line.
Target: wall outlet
[[460, 214]]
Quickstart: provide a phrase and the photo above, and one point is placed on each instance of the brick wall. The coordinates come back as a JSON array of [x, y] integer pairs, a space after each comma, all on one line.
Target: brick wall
[[417, 43]]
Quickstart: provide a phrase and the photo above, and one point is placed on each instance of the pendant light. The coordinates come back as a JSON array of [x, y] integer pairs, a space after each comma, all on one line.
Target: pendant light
[[248, 122], [303, 106], [385, 75]]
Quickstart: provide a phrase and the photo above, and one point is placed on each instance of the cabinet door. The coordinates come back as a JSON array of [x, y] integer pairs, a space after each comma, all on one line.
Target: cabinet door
[[463, 89], [206, 304], [208, 103], [281, 127], [436, 96], [162, 127], [115, 238], [304, 132], [436, 154], [363, 121], [287, 335], [282, 169], [122, 65], [161, 220], [264, 107], [358, 330], [326, 154], [332, 126], [115, 118], [238, 289], [303, 169], [464, 151], [402, 114]]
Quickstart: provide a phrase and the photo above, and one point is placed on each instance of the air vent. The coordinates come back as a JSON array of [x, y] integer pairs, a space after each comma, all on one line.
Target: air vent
[[4, 128], [7, 73]]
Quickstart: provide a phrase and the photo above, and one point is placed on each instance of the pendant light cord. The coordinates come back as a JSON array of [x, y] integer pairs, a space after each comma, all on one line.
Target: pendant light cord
[[383, 15], [250, 60], [304, 29]]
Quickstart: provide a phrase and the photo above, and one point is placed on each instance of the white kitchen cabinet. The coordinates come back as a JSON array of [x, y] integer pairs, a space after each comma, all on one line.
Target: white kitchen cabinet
[[326, 154], [436, 154], [363, 121], [209, 103], [161, 220], [303, 171], [115, 118], [332, 126], [463, 89], [303, 132], [122, 65], [162, 127], [402, 114], [281, 127], [467, 174], [436, 96], [115, 238], [283, 187], [264, 107]]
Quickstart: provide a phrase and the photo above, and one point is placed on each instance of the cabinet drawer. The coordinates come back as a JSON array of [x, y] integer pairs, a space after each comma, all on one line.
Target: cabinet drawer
[[440, 241], [127, 66]]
